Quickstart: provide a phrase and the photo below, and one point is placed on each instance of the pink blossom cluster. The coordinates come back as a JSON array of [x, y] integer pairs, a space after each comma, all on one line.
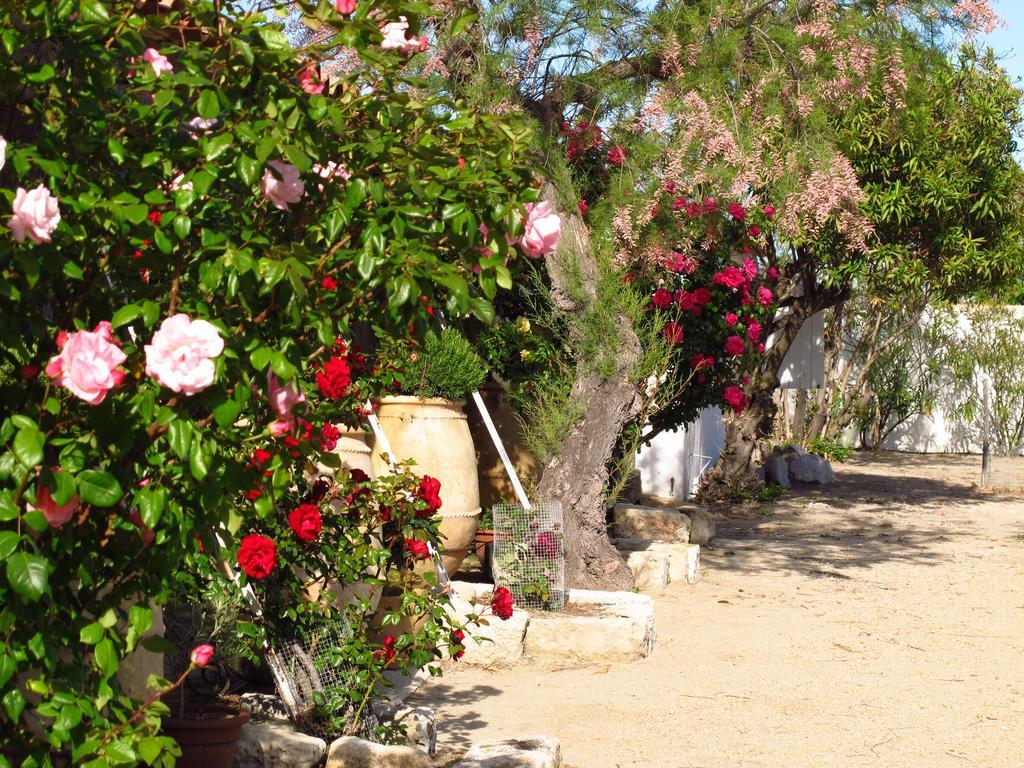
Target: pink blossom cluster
[[829, 193]]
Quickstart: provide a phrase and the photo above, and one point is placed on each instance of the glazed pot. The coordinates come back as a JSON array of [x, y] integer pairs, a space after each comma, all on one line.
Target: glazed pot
[[435, 434], [206, 743]]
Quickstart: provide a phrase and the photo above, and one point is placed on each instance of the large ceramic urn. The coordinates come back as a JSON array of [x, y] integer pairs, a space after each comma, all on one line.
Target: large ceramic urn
[[434, 433]]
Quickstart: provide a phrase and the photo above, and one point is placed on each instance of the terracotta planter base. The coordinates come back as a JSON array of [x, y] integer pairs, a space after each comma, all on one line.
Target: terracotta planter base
[[206, 743]]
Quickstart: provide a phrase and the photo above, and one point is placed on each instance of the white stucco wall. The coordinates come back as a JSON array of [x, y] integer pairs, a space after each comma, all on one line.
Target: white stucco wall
[[671, 466]]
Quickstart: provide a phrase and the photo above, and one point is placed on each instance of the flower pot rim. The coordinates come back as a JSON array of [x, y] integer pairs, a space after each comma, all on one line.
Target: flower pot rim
[[414, 400], [208, 723]]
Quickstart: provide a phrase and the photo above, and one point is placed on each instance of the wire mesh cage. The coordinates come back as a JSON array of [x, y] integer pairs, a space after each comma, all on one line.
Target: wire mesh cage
[[312, 671], [528, 557]]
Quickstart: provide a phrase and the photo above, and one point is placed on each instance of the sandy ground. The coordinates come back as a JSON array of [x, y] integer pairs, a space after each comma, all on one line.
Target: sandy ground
[[879, 623]]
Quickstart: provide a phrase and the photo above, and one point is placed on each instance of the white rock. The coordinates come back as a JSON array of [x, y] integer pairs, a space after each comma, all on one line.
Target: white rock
[[527, 752], [692, 564], [266, 745], [776, 470], [650, 569], [420, 725], [610, 626], [350, 752], [678, 554], [811, 468], [498, 643], [655, 523], [702, 526]]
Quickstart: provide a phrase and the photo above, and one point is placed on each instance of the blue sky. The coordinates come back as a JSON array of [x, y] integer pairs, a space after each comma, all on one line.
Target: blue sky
[[1008, 41]]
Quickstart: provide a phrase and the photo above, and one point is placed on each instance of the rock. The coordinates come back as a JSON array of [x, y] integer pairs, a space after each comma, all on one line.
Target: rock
[[776, 470], [650, 569], [633, 521], [677, 554], [267, 745], [692, 564], [702, 526], [420, 725], [402, 686], [499, 643], [598, 626], [351, 752], [264, 706], [528, 752], [811, 468]]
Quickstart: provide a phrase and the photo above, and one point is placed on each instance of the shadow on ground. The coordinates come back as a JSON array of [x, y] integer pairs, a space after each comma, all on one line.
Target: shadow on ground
[[459, 731]]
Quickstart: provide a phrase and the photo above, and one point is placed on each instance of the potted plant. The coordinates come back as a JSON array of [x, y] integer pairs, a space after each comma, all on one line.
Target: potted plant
[[483, 539], [425, 423]]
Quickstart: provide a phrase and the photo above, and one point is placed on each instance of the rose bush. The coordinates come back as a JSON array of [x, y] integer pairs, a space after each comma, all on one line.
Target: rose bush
[[137, 160]]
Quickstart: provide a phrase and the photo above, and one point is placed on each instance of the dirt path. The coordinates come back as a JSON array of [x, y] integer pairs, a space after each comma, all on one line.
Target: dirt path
[[880, 624]]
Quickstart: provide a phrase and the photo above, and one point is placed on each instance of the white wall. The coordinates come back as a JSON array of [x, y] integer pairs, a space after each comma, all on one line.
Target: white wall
[[671, 466]]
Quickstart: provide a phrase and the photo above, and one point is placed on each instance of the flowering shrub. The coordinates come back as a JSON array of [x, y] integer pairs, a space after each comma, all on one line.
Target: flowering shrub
[[219, 225]]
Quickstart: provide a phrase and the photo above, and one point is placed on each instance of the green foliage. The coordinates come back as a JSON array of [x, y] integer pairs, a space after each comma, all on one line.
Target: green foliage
[[446, 365], [162, 215], [832, 449]]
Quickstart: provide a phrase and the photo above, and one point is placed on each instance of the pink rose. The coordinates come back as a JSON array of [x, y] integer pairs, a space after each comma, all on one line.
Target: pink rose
[[310, 81], [180, 355], [56, 514], [395, 38], [284, 190], [283, 397], [36, 214], [773, 273], [157, 61], [345, 6], [731, 319], [542, 230], [731, 277], [754, 329], [87, 363], [202, 655], [769, 210], [330, 171], [749, 268], [281, 427], [734, 345], [764, 296]]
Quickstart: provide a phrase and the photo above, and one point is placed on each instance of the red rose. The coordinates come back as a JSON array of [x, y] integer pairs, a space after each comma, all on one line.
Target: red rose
[[253, 493], [731, 319], [584, 207], [754, 231], [735, 398], [501, 603], [734, 345], [387, 653], [737, 211], [457, 637], [764, 296], [417, 549], [617, 155], [730, 277], [754, 329], [769, 210], [258, 556], [429, 491], [329, 435], [700, 362], [156, 217], [701, 296], [329, 284], [673, 333], [546, 545], [661, 298], [305, 522], [334, 379]]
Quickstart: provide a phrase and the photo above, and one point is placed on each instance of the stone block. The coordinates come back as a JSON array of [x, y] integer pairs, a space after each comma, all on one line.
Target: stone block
[[527, 752], [776, 470], [692, 564], [811, 468], [595, 627], [420, 725], [633, 521], [351, 752], [499, 643], [702, 526], [678, 554], [650, 569], [267, 745]]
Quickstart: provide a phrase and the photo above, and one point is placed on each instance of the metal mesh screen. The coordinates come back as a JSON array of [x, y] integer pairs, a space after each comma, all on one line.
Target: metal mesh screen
[[528, 557], [310, 667]]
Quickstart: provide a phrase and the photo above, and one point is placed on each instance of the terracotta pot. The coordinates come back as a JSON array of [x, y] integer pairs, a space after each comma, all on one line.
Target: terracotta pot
[[435, 434], [495, 487], [206, 743], [406, 624], [483, 539]]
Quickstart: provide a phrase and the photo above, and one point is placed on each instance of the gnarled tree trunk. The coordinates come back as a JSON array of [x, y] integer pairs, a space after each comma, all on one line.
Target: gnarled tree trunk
[[578, 476]]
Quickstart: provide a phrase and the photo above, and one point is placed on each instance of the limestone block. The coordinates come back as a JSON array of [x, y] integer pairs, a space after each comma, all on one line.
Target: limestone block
[[776, 470], [655, 523], [527, 752], [811, 468], [678, 554], [597, 626], [692, 564], [498, 643], [351, 752], [420, 725], [266, 745], [650, 569], [702, 526]]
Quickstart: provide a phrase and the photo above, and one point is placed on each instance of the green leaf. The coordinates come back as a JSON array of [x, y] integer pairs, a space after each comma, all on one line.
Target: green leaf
[[106, 657], [7, 669], [136, 214], [150, 749], [91, 633], [260, 357], [125, 315], [100, 489], [116, 149], [28, 446], [64, 487], [179, 435], [218, 145], [209, 105], [28, 575], [8, 543], [274, 39], [248, 169], [94, 11], [182, 226], [226, 413], [198, 461], [152, 501], [14, 704], [141, 618]]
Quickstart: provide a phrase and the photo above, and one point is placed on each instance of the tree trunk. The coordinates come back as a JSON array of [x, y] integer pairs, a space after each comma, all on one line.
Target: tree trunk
[[578, 476]]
